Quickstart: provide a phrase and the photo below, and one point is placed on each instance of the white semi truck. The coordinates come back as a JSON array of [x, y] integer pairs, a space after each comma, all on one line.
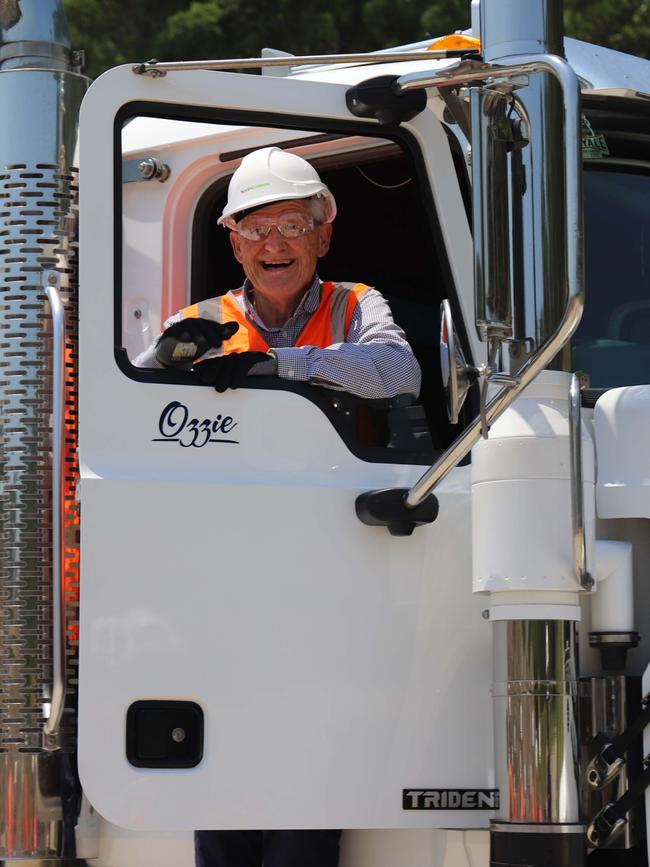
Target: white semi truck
[[284, 606]]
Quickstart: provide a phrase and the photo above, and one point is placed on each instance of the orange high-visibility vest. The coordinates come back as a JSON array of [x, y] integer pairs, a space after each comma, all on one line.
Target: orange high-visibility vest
[[328, 324]]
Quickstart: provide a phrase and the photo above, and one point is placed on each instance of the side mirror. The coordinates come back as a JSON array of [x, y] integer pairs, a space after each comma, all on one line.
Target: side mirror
[[457, 375]]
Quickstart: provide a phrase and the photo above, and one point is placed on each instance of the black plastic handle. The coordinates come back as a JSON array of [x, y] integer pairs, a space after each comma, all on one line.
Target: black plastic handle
[[386, 508]]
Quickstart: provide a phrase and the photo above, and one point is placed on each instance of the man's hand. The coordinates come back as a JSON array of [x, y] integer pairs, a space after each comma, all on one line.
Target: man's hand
[[228, 371], [185, 341]]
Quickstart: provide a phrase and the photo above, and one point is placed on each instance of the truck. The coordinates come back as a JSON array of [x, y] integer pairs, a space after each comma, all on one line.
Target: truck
[[424, 622]]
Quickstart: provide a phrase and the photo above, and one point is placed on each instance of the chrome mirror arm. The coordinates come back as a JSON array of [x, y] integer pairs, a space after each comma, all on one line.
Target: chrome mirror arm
[[568, 81]]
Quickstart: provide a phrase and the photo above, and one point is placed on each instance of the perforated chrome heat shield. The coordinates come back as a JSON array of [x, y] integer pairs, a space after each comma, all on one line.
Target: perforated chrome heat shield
[[39, 792]]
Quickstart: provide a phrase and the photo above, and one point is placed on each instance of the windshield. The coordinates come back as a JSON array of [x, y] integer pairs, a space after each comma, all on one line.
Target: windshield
[[612, 343]]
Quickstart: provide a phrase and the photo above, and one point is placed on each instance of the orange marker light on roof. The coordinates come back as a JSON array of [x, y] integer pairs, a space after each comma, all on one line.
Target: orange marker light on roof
[[455, 42]]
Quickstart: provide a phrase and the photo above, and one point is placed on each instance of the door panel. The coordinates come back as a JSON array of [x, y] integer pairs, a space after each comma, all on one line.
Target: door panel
[[223, 564]]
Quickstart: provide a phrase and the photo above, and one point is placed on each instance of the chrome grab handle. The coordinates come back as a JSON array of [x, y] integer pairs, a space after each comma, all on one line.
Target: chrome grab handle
[[157, 69], [577, 491], [59, 624], [521, 65]]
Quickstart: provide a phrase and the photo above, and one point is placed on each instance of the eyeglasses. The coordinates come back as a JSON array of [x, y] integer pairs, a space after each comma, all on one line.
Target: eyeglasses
[[289, 226]]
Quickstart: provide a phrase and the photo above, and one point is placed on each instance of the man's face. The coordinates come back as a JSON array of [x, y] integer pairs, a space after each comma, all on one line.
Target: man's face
[[279, 268]]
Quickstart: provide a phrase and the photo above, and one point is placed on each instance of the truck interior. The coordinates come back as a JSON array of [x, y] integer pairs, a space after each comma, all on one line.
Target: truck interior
[[612, 342], [386, 235]]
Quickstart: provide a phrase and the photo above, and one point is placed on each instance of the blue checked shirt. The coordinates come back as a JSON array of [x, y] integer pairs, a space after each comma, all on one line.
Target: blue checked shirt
[[375, 361]]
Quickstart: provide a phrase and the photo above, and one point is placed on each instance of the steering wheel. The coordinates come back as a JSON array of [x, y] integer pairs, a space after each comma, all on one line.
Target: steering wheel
[[630, 321]]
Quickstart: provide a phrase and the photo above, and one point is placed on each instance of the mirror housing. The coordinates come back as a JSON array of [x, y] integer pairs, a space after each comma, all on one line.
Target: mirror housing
[[457, 375]]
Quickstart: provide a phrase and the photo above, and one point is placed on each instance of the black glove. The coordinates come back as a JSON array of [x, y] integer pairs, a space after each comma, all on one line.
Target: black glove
[[185, 341], [228, 371]]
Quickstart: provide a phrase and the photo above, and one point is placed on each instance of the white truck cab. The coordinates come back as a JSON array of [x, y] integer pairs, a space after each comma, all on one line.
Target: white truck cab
[[413, 619]]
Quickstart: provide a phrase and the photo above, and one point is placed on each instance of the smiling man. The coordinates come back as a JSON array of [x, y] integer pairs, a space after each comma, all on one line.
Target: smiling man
[[284, 319]]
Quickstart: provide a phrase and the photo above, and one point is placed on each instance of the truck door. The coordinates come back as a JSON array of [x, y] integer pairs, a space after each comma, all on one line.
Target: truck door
[[252, 655]]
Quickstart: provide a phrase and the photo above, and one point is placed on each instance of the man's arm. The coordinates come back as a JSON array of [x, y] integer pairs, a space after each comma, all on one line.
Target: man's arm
[[196, 334], [148, 357], [375, 361]]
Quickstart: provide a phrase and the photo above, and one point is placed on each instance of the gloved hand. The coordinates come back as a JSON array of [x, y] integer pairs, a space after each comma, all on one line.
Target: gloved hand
[[185, 341], [228, 371]]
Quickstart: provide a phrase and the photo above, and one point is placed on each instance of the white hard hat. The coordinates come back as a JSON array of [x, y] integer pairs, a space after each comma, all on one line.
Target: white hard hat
[[272, 175]]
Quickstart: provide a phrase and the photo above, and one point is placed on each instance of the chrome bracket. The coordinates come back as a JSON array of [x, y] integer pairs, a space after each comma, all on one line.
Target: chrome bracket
[[604, 827], [147, 169], [149, 68], [578, 380], [51, 742], [505, 379], [489, 376], [610, 758], [601, 771]]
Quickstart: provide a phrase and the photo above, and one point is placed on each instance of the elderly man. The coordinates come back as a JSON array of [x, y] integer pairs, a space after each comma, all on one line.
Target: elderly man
[[284, 319]]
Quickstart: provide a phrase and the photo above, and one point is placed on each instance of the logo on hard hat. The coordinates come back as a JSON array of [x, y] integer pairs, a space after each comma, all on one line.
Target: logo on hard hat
[[256, 187]]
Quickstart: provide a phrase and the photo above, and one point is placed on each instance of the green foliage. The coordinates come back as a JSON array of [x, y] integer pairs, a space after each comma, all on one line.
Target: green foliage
[[446, 16], [113, 33], [178, 38], [620, 24]]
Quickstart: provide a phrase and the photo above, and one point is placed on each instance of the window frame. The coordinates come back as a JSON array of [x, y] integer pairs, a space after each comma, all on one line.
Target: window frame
[[326, 127]]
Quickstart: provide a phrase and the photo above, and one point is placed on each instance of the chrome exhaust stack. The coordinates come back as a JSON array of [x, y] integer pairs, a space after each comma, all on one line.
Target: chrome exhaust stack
[[523, 558], [522, 478], [536, 749], [40, 92]]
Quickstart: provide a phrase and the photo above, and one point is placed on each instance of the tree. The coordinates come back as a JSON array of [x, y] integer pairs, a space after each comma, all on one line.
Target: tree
[[623, 25], [198, 29], [110, 35], [446, 16]]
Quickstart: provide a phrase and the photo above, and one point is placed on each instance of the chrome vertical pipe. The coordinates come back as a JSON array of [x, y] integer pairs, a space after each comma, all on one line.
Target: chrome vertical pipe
[[536, 745], [510, 29], [40, 97], [577, 489], [491, 215], [535, 659], [535, 705], [33, 34], [59, 639]]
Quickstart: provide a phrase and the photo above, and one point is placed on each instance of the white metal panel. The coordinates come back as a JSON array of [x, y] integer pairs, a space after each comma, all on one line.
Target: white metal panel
[[336, 665], [521, 495], [622, 429]]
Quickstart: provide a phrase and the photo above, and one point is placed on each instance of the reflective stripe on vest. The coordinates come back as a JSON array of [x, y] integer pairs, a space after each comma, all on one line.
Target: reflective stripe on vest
[[328, 324]]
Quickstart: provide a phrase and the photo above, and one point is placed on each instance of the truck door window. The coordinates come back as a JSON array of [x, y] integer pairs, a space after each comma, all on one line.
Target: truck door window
[[613, 340], [174, 254]]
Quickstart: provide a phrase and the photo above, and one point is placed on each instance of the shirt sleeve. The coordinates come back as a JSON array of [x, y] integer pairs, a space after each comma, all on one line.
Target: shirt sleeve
[[375, 361]]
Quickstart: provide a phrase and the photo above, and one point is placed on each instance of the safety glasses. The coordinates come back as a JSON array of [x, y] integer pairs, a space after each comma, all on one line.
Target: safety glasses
[[256, 228]]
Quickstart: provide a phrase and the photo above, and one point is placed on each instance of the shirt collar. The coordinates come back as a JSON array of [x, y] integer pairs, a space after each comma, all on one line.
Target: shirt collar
[[308, 303]]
